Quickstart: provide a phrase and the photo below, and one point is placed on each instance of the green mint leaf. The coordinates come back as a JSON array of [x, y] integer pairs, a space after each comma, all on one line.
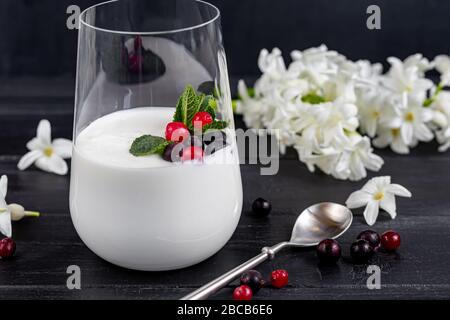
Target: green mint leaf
[[192, 109], [148, 145], [209, 104], [216, 125], [313, 98], [188, 100]]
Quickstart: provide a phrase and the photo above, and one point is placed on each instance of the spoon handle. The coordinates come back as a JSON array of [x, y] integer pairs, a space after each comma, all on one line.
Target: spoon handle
[[213, 286]]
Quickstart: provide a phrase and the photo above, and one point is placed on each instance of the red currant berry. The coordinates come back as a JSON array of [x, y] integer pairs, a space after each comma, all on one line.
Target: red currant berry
[[192, 153], [7, 248], [202, 117], [390, 240], [242, 293], [177, 132], [279, 278]]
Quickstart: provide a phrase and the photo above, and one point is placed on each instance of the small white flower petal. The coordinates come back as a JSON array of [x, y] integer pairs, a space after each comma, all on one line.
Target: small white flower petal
[[423, 133], [35, 144], [358, 199], [54, 164], [407, 133], [388, 204], [382, 141], [399, 146], [5, 219], [3, 186], [44, 132], [28, 159], [399, 190], [63, 148], [371, 212]]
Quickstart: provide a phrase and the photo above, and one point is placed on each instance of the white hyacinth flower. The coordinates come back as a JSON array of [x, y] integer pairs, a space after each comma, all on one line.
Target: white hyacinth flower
[[377, 193], [46, 154], [412, 123], [391, 137], [407, 78], [441, 119], [11, 212], [442, 64], [5, 213]]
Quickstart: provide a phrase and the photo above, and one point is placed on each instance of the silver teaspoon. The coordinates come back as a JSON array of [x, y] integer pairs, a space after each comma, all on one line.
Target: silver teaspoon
[[316, 223]]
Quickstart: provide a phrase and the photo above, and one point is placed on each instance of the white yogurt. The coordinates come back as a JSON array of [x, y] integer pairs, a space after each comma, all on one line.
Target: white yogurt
[[145, 213]]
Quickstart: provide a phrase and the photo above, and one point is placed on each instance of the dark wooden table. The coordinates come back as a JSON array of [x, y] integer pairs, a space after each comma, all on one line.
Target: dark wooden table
[[48, 245]]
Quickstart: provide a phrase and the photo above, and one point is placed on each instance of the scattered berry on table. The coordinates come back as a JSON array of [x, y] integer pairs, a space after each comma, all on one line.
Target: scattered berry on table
[[390, 240], [242, 293], [370, 236], [328, 251], [7, 248], [361, 251], [279, 278], [261, 207], [253, 279]]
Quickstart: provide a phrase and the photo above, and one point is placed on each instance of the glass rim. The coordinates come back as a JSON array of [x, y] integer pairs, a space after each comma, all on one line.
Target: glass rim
[[148, 33]]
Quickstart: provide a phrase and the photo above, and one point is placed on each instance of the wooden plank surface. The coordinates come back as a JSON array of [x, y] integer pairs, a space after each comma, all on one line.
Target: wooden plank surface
[[48, 245]]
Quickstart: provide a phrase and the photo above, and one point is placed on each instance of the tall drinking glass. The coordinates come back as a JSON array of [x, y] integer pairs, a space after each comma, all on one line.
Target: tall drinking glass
[[143, 64]]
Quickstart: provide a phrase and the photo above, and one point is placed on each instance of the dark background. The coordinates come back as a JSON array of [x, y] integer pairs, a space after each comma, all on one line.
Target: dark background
[[36, 42], [37, 68]]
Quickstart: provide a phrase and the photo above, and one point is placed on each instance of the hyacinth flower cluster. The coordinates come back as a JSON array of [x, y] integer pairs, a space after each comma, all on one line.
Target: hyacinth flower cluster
[[333, 110]]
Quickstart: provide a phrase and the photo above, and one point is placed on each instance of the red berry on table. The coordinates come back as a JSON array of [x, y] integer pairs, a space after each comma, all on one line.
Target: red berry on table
[[328, 251], [242, 293], [192, 153], [202, 117], [177, 132], [390, 240], [279, 278], [7, 248]]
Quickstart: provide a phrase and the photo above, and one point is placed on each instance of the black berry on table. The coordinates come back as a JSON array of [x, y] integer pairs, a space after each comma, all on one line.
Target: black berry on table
[[253, 279], [261, 207], [328, 251], [361, 251]]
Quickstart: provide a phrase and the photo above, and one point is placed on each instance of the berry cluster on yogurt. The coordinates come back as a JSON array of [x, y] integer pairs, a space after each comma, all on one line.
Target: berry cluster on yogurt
[[193, 134]]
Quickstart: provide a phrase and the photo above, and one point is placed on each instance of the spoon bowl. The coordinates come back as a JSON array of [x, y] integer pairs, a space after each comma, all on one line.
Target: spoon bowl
[[320, 221]]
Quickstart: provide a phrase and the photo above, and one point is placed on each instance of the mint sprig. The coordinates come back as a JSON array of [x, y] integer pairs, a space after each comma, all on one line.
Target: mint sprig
[[190, 103], [147, 145]]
